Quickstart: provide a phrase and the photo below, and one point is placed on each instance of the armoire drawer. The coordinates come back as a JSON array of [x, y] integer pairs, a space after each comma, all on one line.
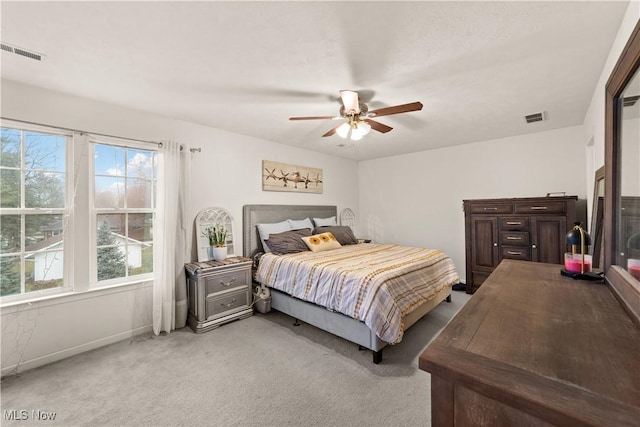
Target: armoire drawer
[[491, 208], [540, 207], [514, 238], [514, 223], [516, 252]]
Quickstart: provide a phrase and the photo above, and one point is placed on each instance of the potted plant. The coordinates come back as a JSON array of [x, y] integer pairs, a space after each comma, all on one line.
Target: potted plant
[[217, 235]]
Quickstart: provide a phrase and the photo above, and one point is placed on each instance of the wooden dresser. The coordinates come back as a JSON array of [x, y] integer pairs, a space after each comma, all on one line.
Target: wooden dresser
[[534, 348], [528, 229]]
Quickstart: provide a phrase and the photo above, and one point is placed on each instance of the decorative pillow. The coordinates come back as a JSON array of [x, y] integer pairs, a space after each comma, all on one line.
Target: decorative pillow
[[288, 242], [266, 229], [325, 222], [299, 225], [342, 233], [321, 242]]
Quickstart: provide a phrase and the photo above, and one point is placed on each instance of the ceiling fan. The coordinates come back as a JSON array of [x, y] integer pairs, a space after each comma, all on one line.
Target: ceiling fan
[[358, 117]]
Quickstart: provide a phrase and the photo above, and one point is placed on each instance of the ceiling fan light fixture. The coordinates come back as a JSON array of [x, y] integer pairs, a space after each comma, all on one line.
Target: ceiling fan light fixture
[[343, 130], [364, 127], [355, 135]]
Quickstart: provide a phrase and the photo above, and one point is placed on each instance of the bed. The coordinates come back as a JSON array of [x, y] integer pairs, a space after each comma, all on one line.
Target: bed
[[353, 325]]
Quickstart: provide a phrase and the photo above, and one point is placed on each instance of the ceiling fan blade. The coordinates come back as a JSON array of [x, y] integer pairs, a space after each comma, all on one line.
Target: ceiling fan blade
[[378, 126], [396, 109], [332, 131], [350, 101], [314, 118]]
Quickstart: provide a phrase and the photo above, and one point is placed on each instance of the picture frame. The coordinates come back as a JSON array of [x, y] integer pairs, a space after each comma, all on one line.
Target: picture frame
[[278, 176]]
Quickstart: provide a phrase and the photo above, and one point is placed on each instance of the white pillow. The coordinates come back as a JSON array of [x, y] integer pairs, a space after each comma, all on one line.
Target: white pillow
[[274, 228], [299, 225], [325, 222]]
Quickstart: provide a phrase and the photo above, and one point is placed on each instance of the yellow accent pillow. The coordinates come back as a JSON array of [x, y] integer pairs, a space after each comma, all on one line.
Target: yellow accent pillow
[[321, 242]]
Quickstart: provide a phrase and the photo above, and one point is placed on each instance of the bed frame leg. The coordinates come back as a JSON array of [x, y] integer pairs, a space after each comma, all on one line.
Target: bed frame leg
[[377, 356], [448, 298], [296, 323]]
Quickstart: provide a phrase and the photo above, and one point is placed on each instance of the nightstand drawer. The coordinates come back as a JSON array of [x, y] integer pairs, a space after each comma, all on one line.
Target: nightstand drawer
[[541, 207], [514, 252], [227, 303], [514, 223], [226, 281], [514, 238]]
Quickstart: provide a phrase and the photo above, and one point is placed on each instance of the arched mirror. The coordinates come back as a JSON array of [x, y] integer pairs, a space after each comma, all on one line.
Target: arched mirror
[[207, 218], [622, 177], [347, 217]]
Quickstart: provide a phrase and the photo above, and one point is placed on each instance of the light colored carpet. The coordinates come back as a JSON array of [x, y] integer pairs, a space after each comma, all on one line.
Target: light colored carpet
[[260, 371]]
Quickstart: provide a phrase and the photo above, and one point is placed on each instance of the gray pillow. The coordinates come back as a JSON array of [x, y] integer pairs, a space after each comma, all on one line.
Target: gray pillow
[[342, 233], [288, 242]]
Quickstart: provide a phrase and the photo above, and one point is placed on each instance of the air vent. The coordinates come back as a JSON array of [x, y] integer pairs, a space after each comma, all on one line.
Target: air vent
[[22, 52], [630, 101], [536, 117]]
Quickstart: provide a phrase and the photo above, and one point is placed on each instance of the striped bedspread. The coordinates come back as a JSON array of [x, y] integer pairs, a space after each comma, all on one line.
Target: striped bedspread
[[377, 284]]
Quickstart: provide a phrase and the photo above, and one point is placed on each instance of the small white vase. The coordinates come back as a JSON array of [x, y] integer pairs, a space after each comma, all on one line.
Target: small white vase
[[219, 253]]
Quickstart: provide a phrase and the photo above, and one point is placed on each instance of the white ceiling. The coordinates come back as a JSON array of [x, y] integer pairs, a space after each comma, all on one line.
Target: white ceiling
[[246, 67]]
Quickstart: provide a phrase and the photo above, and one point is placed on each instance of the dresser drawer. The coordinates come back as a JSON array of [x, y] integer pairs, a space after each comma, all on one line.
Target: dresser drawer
[[540, 207], [225, 281], [515, 223], [516, 252], [491, 208], [227, 303], [514, 238]]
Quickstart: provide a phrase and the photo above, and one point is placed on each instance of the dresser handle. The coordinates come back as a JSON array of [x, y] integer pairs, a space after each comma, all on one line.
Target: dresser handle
[[539, 208], [495, 244], [229, 283], [514, 223], [228, 305], [514, 253], [490, 209]]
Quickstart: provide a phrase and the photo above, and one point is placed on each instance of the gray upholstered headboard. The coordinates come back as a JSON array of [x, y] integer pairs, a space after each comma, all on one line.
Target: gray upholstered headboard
[[253, 215]]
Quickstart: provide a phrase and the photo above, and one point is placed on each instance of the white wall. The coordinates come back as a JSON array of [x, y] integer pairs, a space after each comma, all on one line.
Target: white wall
[[416, 199], [226, 173]]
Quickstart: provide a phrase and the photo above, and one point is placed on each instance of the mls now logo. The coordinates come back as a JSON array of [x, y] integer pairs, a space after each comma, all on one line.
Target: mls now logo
[[23, 414]]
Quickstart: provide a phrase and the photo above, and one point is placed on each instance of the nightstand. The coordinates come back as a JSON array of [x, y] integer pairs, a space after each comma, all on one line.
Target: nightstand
[[219, 292]]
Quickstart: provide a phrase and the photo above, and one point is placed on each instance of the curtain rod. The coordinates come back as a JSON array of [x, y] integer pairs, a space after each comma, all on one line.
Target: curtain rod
[[193, 150]]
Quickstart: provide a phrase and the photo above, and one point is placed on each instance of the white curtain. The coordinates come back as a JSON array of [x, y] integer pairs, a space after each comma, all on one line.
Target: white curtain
[[172, 242]]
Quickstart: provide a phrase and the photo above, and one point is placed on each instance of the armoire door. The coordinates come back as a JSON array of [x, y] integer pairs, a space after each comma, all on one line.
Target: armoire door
[[548, 239]]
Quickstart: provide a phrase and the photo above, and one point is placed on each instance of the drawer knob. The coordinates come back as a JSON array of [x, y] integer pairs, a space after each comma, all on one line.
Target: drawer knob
[[229, 283], [229, 304], [495, 244], [533, 246]]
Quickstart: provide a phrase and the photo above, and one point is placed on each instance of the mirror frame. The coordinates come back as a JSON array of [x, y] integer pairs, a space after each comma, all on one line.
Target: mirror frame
[[624, 287], [597, 217]]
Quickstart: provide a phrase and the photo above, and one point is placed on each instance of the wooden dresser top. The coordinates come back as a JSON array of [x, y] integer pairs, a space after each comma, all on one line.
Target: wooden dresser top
[[563, 348]]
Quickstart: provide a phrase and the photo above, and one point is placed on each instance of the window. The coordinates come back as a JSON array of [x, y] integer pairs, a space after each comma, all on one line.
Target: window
[[124, 200], [76, 211], [33, 177]]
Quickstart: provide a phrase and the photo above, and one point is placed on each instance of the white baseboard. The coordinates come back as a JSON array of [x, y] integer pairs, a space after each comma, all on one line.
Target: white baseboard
[[72, 351]]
